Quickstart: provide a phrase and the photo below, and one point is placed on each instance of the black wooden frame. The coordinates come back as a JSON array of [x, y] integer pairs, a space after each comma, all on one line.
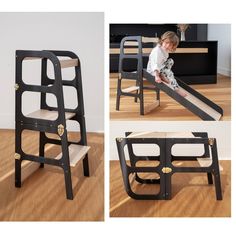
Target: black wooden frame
[[165, 161], [141, 73], [136, 75], [55, 87]]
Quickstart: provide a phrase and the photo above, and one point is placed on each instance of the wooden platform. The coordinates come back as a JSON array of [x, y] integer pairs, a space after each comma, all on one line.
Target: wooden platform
[[64, 63], [48, 115], [161, 135], [191, 196], [42, 195], [169, 109], [76, 153]]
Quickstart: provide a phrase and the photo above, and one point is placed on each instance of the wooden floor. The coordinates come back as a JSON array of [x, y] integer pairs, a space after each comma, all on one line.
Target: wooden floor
[[219, 93], [42, 195], [191, 196]]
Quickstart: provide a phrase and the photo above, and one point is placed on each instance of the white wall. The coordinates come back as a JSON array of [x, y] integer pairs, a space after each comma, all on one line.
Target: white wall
[[222, 33], [219, 130], [82, 33]]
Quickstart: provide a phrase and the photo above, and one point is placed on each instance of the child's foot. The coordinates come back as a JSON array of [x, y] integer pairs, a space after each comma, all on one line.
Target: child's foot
[[165, 79], [158, 80], [181, 92]]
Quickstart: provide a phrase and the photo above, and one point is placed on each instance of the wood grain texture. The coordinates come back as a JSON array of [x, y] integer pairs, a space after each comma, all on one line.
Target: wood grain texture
[[69, 63], [161, 135], [42, 195], [76, 153], [148, 50], [48, 115], [64, 63], [191, 196], [169, 109]]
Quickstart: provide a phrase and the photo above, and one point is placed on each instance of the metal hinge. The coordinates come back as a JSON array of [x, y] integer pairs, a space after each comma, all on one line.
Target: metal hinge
[[16, 86], [17, 156], [211, 141], [60, 129], [166, 170]]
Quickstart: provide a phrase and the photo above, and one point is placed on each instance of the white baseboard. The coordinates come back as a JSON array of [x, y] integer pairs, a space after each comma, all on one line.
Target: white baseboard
[[224, 71]]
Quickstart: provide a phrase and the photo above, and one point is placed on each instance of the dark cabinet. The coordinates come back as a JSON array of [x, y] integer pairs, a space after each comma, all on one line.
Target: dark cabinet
[[195, 67], [195, 61]]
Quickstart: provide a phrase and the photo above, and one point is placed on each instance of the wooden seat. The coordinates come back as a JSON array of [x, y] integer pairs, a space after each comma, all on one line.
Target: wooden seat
[[64, 63], [69, 63], [76, 153], [48, 115], [130, 89], [205, 162], [149, 134], [148, 108]]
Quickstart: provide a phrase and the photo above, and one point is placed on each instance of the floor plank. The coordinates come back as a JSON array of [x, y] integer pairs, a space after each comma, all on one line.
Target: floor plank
[[42, 195]]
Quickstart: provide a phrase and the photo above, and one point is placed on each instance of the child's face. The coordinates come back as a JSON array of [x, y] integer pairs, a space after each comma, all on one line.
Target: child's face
[[168, 45]]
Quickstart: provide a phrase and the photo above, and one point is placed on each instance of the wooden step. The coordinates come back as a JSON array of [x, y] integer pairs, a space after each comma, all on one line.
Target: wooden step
[[207, 161], [149, 134], [150, 40], [76, 153], [48, 115], [64, 63], [69, 63], [150, 107], [130, 89]]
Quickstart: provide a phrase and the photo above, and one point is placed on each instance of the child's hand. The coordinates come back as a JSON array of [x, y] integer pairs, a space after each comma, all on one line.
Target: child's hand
[[158, 79]]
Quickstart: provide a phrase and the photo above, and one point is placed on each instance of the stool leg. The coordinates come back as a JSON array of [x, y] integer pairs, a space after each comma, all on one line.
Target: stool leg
[[68, 183], [66, 166], [216, 171], [18, 173], [118, 95], [41, 146], [218, 186], [209, 178], [141, 102], [86, 166], [158, 95], [136, 98]]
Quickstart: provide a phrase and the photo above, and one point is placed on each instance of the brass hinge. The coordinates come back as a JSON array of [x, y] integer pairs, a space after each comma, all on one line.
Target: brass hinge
[[17, 156], [119, 139], [16, 86], [60, 129], [211, 141], [166, 170]]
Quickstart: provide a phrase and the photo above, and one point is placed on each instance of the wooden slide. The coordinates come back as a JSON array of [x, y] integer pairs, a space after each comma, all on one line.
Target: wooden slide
[[194, 101]]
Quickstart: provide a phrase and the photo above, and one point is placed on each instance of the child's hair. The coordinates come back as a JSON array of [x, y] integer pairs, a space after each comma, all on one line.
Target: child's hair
[[174, 39]]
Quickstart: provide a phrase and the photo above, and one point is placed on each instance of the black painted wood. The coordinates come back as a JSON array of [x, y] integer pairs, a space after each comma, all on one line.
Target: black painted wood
[[55, 87], [165, 160]]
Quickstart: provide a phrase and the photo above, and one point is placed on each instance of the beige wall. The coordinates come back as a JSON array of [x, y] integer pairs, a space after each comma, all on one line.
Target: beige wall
[[82, 33]]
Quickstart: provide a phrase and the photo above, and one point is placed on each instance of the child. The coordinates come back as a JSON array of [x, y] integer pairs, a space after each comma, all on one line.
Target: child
[[160, 66]]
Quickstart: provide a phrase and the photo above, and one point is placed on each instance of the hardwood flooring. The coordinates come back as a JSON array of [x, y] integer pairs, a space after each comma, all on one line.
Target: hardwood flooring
[[191, 196], [169, 109], [42, 195]]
